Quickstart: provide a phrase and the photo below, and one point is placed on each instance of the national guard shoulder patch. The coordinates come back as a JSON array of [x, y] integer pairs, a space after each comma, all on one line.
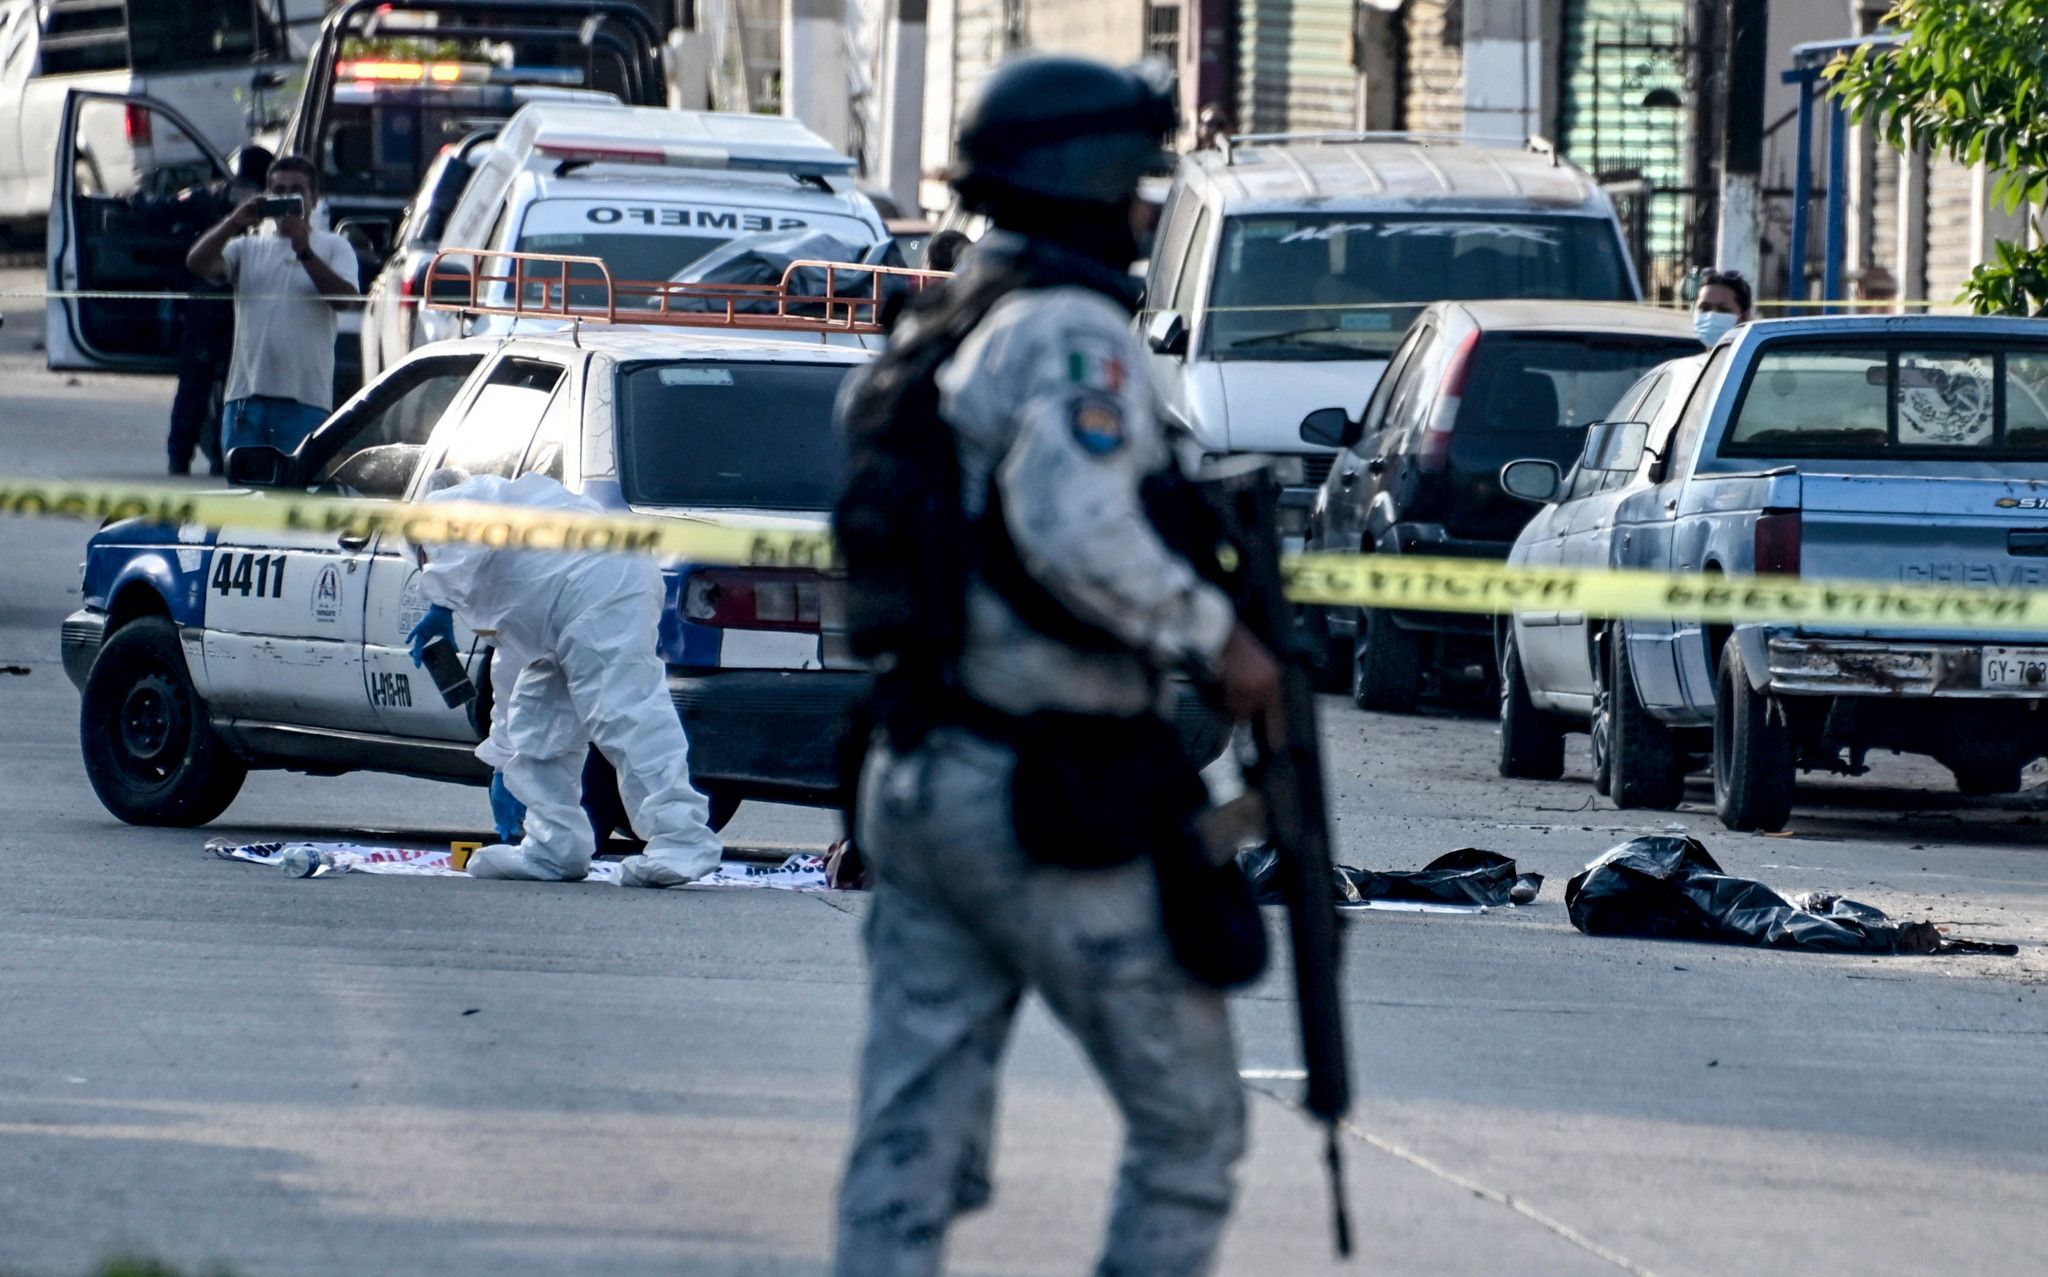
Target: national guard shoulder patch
[[1098, 424]]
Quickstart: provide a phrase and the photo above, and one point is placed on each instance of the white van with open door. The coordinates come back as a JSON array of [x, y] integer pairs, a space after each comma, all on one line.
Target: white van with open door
[[101, 242], [224, 63]]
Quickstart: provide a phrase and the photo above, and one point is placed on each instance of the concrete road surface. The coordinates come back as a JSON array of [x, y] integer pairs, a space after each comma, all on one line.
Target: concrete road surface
[[213, 1063]]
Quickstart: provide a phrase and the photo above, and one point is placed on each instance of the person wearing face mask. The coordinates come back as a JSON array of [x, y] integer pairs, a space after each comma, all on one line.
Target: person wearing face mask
[[1722, 302]]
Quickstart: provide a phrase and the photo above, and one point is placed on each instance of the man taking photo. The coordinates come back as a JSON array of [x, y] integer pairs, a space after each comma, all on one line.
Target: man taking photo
[[288, 281]]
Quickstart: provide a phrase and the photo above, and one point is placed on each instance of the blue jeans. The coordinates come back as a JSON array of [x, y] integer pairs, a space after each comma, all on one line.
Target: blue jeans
[[265, 419]]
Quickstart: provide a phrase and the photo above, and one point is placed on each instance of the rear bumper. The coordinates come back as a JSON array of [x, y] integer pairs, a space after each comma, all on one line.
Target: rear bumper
[[768, 733], [1858, 667], [775, 734], [78, 643]]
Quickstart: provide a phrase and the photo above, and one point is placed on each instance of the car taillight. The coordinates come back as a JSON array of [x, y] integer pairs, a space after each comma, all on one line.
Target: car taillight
[[1777, 542], [754, 599], [138, 125], [1436, 440]]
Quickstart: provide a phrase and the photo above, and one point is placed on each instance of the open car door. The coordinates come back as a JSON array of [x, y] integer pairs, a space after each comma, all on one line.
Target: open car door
[[115, 226]]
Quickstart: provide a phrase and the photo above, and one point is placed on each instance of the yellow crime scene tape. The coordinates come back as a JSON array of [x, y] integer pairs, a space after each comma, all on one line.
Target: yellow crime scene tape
[[1346, 580], [426, 523]]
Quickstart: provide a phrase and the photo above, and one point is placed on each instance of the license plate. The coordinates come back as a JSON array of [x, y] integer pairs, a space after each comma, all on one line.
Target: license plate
[[2024, 668]]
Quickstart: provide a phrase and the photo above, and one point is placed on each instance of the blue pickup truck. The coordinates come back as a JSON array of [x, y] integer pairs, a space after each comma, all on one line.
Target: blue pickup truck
[[1908, 448]]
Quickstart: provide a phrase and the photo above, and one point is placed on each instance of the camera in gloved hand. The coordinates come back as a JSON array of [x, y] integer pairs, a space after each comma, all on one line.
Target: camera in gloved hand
[[433, 648]]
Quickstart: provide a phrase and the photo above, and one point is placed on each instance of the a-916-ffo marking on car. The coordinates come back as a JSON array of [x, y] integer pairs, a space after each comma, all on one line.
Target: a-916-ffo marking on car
[[204, 654]]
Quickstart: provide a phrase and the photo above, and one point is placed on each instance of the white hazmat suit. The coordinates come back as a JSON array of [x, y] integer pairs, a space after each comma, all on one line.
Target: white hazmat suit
[[579, 629]]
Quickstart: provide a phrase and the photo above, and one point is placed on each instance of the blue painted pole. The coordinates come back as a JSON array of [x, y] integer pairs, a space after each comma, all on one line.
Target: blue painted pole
[[1802, 191], [1838, 201]]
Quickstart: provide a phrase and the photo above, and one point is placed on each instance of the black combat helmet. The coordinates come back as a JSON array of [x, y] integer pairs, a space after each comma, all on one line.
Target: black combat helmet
[[1072, 130]]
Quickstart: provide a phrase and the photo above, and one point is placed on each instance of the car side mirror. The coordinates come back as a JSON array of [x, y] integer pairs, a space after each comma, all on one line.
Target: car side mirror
[[1330, 427], [257, 466], [1534, 480], [1167, 334]]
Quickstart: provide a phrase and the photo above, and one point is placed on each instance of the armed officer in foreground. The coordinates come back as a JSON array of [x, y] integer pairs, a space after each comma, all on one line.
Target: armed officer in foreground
[[1022, 791]]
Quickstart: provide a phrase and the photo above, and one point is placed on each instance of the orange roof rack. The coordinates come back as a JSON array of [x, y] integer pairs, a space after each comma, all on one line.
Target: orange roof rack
[[554, 286]]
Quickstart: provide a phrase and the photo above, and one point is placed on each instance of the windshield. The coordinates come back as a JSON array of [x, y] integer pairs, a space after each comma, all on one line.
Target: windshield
[[1346, 286], [1871, 402], [646, 240], [751, 436], [1519, 384]]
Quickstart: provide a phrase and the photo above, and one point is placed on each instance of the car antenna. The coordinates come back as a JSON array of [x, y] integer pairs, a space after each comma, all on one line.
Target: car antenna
[[576, 333]]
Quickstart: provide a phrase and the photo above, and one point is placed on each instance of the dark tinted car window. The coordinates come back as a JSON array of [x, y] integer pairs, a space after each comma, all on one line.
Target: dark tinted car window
[[1521, 383], [629, 257], [731, 435]]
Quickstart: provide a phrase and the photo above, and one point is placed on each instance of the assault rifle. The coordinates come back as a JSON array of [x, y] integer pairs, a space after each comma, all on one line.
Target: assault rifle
[[1287, 775]]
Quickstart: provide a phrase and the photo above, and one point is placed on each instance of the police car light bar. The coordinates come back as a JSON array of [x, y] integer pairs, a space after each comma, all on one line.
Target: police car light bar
[[400, 71], [410, 72], [558, 287], [808, 163]]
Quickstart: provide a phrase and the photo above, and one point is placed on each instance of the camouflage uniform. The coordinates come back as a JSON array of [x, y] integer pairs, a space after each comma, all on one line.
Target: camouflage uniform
[[1050, 395]]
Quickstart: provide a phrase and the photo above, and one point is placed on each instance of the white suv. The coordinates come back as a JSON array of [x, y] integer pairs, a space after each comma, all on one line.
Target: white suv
[[1287, 268], [646, 191]]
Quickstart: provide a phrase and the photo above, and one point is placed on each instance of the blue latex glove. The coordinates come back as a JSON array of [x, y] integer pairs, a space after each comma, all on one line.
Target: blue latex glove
[[438, 621], [507, 812]]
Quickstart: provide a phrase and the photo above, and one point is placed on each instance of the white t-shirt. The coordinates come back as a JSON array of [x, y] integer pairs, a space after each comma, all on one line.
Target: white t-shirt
[[284, 332]]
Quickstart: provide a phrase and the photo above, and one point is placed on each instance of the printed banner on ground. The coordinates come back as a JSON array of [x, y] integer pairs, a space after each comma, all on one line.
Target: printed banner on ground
[[803, 871]]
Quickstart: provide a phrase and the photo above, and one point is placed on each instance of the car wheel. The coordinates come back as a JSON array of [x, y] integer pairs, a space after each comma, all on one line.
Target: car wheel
[[607, 812], [150, 749], [1386, 664], [1531, 742], [1753, 757], [1645, 767], [1599, 730]]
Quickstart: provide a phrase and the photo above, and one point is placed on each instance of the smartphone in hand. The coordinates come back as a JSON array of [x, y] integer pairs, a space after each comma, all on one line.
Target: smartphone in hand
[[281, 206]]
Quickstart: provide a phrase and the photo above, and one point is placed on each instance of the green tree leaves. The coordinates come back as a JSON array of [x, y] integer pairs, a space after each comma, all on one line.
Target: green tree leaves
[[1968, 79]]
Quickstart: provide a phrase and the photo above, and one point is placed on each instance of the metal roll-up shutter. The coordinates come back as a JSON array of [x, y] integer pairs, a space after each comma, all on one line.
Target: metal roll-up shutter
[[1625, 107], [1294, 66]]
